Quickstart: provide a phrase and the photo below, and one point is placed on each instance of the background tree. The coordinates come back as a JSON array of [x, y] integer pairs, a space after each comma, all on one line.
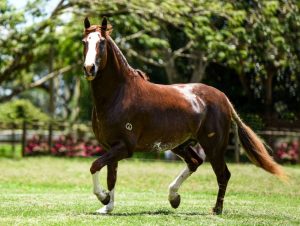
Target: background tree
[[249, 49]]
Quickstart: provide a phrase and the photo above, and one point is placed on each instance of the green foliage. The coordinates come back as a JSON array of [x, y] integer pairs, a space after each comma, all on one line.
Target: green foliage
[[254, 121], [258, 39], [282, 109], [18, 110]]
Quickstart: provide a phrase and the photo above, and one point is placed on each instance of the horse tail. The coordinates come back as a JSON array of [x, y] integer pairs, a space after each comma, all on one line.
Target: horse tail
[[255, 148]]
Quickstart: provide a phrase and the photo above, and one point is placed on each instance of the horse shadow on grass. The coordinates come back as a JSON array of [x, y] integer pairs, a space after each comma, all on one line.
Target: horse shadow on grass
[[153, 213]]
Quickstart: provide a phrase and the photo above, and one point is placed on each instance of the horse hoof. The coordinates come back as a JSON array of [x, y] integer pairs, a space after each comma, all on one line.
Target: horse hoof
[[106, 200], [175, 202], [104, 210], [217, 210]]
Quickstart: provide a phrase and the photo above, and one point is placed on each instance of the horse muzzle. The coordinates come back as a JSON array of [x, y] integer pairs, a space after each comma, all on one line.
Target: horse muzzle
[[90, 72]]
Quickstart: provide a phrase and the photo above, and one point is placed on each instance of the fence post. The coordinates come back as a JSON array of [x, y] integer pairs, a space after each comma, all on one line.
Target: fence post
[[236, 145], [50, 135], [24, 136], [13, 137]]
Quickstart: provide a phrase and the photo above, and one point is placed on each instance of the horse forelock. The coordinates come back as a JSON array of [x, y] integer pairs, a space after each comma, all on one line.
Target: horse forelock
[[91, 29], [95, 28]]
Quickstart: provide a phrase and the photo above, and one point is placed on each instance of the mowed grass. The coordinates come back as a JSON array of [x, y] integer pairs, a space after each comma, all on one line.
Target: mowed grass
[[58, 191]]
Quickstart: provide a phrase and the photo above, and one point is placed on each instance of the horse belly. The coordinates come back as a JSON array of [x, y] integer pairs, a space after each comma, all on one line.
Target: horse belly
[[162, 146], [167, 131], [156, 146], [162, 140]]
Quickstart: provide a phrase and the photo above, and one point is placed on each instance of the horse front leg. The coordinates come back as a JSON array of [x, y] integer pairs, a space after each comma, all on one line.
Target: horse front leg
[[117, 152], [101, 194], [111, 182], [174, 197], [194, 157]]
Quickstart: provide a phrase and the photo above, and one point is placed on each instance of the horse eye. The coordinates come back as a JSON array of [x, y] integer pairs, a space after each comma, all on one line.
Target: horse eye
[[83, 42], [101, 46], [102, 43]]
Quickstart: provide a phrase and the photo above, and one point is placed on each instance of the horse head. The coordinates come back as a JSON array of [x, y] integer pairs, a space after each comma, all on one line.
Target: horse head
[[95, 48]]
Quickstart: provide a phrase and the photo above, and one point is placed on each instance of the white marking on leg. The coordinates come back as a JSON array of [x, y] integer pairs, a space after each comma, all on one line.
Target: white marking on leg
[[98, 191], [110, 206], [175, 185]]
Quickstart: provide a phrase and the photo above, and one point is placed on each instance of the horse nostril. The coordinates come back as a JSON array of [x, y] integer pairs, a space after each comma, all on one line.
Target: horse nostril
[[89, 69], [92, 69]]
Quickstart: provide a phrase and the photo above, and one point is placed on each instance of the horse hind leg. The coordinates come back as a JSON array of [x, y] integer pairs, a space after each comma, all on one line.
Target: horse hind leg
[[214, 139], [215, 150], [215, 154], [194, 157], [223, 175]]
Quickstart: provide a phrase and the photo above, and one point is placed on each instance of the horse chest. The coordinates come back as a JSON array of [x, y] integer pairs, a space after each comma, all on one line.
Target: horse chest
[[109, 126]]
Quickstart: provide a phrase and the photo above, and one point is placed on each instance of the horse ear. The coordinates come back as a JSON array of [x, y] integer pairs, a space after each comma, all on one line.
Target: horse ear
[[87, 23], [104, 24]]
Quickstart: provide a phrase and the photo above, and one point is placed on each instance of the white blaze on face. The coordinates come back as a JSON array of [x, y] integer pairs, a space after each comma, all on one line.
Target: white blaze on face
[[92, 40]]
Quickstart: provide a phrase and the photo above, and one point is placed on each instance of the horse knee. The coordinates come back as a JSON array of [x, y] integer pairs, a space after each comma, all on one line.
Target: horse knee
[[196, 157], [96, 166], [193, 165]]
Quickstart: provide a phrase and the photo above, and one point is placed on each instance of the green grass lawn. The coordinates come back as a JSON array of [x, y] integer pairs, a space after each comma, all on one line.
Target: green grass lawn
[[58, 191]]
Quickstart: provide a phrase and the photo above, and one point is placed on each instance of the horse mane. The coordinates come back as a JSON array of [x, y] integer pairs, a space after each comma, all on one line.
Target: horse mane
[[119, 52], [125, 62], [142, 74]]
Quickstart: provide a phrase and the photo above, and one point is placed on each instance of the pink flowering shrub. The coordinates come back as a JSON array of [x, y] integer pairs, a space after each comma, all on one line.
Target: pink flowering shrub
[[37, 144], [288, 151], [64, 145]]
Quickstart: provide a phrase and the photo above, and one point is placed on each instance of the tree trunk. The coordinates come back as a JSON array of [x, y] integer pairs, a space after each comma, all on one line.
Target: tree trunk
[[74, 102], [199, 71], [171, 71], [245, 84], [51, 93], [269, 92]]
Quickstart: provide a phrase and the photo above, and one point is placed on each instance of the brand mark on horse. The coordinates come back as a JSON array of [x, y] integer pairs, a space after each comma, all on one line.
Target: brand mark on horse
[[128, 126]]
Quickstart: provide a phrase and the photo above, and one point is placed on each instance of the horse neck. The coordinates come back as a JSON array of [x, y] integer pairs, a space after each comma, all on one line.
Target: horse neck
[[112, 78]]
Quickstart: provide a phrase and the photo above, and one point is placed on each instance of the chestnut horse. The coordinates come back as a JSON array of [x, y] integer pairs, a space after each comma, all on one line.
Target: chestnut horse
[[131, 114]]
